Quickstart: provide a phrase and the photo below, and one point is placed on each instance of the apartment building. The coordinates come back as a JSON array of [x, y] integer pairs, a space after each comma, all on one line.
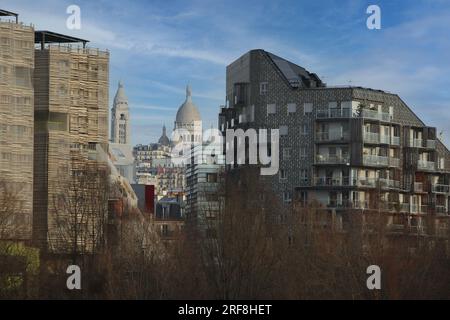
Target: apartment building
[[71, 127], [204, 189], [16, 127], [341, 147]]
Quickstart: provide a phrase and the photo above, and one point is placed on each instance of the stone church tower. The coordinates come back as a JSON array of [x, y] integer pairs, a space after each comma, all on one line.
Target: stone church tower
[[120, 118]]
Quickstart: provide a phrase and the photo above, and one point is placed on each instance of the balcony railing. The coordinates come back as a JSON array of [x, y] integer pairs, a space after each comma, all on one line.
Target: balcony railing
[[419, 143], [426, 165], [331, 136], [333, 113], [372, 114], [416, 143], [395, 141], [332, 159], [365, 182], [327, 181], [373, 160], [441, 209], [424, 209], [394, 162], [431, 144], [441, 188], [388, 183], [418, 186], [371, 137]]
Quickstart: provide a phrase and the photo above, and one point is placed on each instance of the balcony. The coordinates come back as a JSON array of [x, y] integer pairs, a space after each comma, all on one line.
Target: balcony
[[419, 143], [371, 137], [373, 160], [332, 159], [431, 144], [375, 115], [366, 182], [388, 183], [394, 162], [424, 209], [395, 141], [331, 182], [426, 165], [330, 136], [333, 114], [418, 187], [441, 188]]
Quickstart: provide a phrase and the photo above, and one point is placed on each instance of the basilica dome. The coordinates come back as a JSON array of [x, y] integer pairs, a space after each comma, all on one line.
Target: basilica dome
[[188, 112]]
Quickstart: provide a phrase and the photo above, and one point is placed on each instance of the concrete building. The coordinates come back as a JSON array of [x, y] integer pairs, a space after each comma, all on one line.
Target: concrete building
[[343, 147], [16, 127], [71, 127]]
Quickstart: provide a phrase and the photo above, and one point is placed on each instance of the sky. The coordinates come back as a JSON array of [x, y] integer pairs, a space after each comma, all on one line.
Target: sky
[[157, 47]]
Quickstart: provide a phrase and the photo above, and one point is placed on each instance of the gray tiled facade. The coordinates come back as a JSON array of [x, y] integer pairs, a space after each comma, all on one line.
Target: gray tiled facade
[[259, 80]]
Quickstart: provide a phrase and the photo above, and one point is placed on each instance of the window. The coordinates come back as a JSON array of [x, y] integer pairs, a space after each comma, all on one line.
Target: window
[[271, 108], [307, 108], [291, 107], [286, 153], [304, 176], [303, 152], [263, 88], [305, 129], [23, 77], [211, 177], [283, 175], [283, 130], [287, 197]]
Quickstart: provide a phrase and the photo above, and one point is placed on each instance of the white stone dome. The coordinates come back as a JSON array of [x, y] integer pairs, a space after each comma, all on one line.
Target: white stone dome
[[188, 112]]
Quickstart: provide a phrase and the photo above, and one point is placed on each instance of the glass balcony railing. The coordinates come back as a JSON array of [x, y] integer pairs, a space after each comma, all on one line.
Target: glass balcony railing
[[374, 160], [394, 162], [332, 136], [431, 144], [332, 159], [375, 115], [371, 137], [441, 188], [395, 141], [333, 113], [329, 182], [389, 183], [426, 165], [418, 186]]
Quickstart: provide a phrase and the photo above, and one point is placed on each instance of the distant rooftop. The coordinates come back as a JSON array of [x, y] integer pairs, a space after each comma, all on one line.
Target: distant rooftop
[[4, 13], [44, 37]]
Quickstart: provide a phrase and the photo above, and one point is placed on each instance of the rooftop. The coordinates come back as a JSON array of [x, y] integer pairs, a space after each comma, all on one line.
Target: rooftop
[[44, 36], [4, 13]]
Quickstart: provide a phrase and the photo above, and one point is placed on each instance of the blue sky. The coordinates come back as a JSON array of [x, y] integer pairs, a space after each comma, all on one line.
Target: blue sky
[[159, 46]]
